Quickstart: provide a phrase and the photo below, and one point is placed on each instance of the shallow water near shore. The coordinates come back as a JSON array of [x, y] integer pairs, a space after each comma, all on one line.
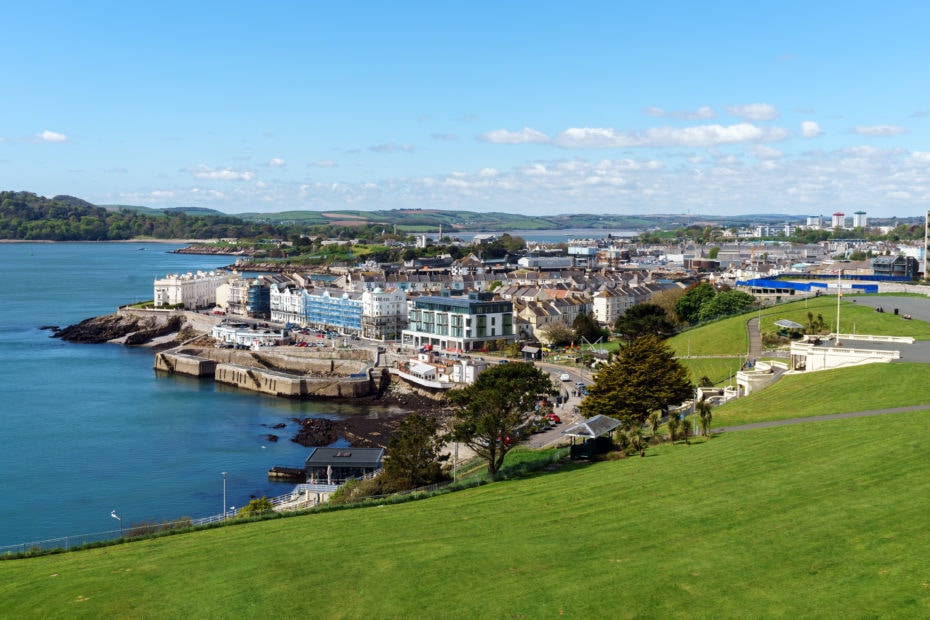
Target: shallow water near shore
[[89, 429]]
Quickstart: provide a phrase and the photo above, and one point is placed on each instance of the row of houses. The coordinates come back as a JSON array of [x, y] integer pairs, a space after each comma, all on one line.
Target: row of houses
[[524, 308]]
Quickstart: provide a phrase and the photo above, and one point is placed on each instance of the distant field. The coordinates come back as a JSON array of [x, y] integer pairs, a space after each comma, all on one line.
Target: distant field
[[814, 521]]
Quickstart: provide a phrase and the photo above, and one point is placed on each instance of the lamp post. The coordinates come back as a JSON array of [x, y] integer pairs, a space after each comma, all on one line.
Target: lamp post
[[839, 298], [118, 518], [224, 495]]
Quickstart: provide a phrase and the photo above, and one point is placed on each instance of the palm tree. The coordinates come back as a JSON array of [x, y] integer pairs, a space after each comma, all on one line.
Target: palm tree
[[655, 420], [704, 412], [636, 439], [686, 430], [673, 423]]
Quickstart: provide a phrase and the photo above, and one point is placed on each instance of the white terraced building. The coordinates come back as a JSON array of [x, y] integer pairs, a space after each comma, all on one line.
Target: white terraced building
[[192, 290], [384, 314], [287, 304]]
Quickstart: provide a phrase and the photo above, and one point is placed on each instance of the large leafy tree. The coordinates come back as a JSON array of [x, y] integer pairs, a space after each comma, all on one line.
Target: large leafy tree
[[725, 303], [644, 319], [688, 307], [558, 334], [491, 412], [644, 378], [585, 327], [414, 455]]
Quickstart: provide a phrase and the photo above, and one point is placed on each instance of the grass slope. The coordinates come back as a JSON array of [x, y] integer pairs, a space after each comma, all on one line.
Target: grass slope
[[820, 520], [728, 341], [860, 388]]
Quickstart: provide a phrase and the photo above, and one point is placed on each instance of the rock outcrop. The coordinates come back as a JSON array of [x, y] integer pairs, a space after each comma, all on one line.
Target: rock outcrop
[[100, 329], [129, 329]]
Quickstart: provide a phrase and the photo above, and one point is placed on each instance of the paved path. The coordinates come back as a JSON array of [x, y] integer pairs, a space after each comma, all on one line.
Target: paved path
[[821, 418]]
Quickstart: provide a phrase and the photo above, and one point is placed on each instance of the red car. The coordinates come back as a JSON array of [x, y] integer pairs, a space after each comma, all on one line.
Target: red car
[[554, 417]]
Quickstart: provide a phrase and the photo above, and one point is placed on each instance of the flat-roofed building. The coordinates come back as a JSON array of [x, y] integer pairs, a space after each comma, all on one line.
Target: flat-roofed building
[[459, 323]]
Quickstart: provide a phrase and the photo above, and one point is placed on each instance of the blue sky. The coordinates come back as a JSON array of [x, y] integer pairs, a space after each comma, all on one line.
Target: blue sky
[[529, 107]]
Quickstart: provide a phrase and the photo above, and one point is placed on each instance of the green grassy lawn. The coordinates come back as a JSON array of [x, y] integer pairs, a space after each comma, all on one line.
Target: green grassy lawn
[[853, 318], [821, 520], [729, 337], [861, 388]]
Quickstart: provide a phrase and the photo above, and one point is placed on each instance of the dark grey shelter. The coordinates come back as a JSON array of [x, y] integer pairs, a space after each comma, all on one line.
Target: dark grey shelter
[[336, 465], [594, 433]]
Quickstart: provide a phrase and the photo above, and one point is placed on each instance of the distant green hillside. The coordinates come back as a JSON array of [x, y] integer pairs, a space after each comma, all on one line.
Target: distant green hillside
[[430, 220], [29, 217], [160, 212], [408, 220]]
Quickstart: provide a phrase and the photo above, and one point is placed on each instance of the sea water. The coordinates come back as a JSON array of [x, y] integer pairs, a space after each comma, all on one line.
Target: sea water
[[86, 430]]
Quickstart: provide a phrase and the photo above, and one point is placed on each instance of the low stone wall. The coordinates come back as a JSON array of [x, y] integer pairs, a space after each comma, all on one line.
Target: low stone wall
[[287, 359], [292, 386], [279, 371]]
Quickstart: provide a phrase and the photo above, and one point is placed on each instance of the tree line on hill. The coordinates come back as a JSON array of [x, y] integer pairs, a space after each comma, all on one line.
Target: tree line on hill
[[28, 217]]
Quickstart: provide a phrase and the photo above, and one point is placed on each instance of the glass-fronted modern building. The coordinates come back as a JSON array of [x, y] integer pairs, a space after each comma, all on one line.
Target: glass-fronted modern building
[[459, 323]]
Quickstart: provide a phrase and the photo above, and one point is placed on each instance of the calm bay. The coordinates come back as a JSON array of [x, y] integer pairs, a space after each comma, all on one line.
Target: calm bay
[[90, 429]]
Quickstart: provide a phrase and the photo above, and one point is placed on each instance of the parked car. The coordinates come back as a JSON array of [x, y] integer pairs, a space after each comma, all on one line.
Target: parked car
[[565, 377], [554, 417]]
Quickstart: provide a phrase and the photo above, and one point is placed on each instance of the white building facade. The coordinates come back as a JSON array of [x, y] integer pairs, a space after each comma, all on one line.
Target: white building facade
[[287, 304], [384, 314], [190, 290]]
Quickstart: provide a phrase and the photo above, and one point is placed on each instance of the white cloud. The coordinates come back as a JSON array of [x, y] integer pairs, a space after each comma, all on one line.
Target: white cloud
[[698, 136], [52, 136], [390, 147], [503, 136], [879, 130], [322, 163], [714, 180], [223, 174], [754, 111], [447, 137], [760, 151], [810, 129], [276, 162], [702, 113]]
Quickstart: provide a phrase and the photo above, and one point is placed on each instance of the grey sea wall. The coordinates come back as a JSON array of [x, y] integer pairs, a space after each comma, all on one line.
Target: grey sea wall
[[279, 372]]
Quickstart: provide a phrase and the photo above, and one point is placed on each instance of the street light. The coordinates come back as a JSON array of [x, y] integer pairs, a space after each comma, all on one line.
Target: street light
[[117, 517], [224, 495]]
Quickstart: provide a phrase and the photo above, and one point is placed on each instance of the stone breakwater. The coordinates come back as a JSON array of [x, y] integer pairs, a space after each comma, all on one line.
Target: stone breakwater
[[280, 371]]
